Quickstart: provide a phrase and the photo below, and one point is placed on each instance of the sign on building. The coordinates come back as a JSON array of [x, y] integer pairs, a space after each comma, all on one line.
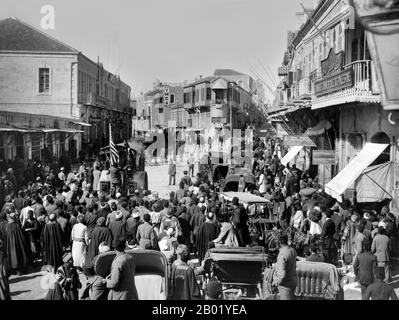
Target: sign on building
[[334, 78], [166, 96], [303, 141], [323, 157], [334, 83]]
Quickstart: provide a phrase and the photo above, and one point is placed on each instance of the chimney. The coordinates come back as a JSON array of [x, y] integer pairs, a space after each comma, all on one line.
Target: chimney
[[200, 76]]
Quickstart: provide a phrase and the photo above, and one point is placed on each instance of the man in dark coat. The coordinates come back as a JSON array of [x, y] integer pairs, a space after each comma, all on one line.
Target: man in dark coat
[[197, 218], [132, 225], [184, 283], [100, 234], [380, 290], [91, 219], [118, 226], [121, 283], [327, 237], [172, 173], [208, 232], [364, 266], [52, 243], [184, 221], [240, 218], [17, 247]]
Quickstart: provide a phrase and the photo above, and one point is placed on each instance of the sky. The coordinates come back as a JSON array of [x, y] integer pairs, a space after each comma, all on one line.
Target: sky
[[170, 40]]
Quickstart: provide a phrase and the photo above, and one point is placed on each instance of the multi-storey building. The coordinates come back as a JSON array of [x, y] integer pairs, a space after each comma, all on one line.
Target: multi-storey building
[[53, 99], [329, 89]]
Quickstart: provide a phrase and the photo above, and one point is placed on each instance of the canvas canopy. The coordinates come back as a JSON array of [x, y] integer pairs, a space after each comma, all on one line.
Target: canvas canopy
[[291, 155], [337, 186], [376, 183]]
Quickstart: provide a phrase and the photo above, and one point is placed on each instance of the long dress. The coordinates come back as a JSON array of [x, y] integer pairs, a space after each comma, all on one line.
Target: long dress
[[79, 244], [96, 180], [100, 234], [348, 247], [208, 232], [52, 244], [17, 248]]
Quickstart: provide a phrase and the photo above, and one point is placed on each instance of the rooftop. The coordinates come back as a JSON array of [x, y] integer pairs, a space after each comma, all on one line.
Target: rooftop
[[227, 72], [16, 35]]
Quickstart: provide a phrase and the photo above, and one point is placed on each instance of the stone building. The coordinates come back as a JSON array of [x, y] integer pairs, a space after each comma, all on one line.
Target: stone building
[[54, 101]]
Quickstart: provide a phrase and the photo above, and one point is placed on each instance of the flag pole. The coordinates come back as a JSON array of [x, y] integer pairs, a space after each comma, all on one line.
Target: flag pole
[[110, 151]]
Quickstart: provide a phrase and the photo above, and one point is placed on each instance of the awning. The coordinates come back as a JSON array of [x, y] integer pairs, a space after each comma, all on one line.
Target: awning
[[23, 129], [337, 186], [7, 128], [82, 124], [66, 130], [319, 129], [376, 183], [291, 155]]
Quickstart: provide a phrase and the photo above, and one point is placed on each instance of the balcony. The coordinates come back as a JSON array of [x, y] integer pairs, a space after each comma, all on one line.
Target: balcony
[[356, 83], [301, 90]]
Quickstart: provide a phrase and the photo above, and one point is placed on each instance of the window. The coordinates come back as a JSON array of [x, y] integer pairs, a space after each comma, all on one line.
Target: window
[[172, 98], [202, 94], [186, 97], [196, 95], [44, 80], [208, 94], [160, 100], [160, 110], [219, 95]]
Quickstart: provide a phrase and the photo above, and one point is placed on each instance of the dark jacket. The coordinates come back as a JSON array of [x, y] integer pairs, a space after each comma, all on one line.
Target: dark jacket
[[380, 291], [364, 267], [327, 234]]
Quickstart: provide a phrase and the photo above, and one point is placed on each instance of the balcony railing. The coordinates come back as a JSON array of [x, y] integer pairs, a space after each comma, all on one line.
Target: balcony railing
[[364, 87]]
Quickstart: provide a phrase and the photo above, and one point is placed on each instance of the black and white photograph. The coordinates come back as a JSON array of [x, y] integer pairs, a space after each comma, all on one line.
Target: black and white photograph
[[226, 152]]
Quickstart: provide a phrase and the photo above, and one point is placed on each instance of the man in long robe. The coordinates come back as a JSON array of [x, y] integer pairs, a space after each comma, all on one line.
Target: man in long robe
[[52, 243], [208, 232], [100, 234], [184, 283], [17, 246]]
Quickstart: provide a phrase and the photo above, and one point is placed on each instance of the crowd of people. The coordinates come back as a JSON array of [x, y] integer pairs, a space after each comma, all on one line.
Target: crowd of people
[[63, 220]]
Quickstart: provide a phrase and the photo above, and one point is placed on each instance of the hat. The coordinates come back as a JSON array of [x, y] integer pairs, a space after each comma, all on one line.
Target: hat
[[366, 216], [335, 207], [136, 214], [136, 191], [210, 215], [101, 221], [52, 217], [62, 169], [13, 215], [119, 215], [375, 223], [214, 289], [118, 195], [38, 179]]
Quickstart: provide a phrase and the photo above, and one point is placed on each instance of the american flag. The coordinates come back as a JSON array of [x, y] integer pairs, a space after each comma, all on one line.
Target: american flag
[[114, 155]]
